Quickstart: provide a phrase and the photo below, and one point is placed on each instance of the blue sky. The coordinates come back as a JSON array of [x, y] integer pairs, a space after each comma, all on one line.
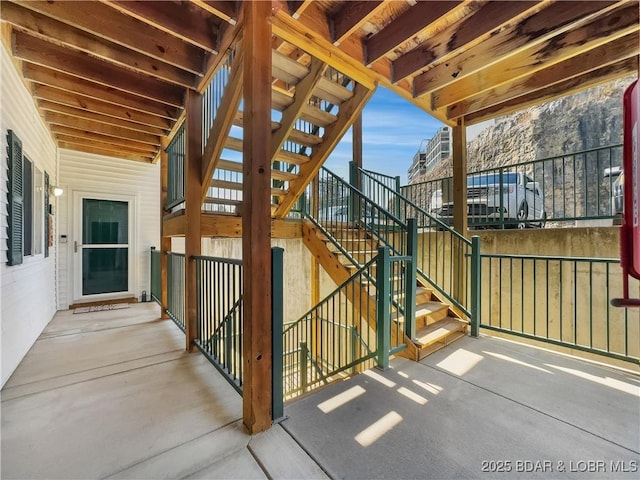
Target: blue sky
[[392, 129]]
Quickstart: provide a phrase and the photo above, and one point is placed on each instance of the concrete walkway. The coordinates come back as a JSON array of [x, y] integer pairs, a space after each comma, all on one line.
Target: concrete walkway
[[112, 394], [480, 408]]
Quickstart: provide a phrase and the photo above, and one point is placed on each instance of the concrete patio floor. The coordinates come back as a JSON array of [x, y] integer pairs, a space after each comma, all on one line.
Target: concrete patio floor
[[480, 408], [112, 394]]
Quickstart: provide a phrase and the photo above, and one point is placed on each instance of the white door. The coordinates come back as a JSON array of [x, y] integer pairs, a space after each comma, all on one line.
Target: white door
[[102, 246]]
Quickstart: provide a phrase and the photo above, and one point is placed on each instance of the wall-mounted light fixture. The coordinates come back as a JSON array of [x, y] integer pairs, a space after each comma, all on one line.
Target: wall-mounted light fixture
[[55, 191]]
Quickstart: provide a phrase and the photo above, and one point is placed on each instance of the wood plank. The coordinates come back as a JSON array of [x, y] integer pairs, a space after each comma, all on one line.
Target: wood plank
[[79, 64], [235, 144], [223, 122], [297, 136], [84, 135], [410, 23], [174, 225], [62, 97], [303, 93], [558, 90], [47, 106], [332, 92], [256, 222], [182, 20], [102, 128], [346, 116], [599, 57], [237, 167], [192, 206], [604, 29], [119, 154], [469, 30], [227, 226], [62, 34], [105, 22], [298, 7], [229, 185], [350, 17], [145, 150], [287, 69], [310, 113], [552, 21], [75, 85], [225, 10]]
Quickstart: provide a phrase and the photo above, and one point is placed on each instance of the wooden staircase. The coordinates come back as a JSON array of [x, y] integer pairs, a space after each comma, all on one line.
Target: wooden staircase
[[312, 107], [437, 323]]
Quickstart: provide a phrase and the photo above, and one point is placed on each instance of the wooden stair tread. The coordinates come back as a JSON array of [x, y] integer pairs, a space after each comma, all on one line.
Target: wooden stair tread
[[310, 113], [237, 167], [215, 183], [437, 331], [428, 308], [332, 92], [233, 143], [222, 201], [297, 136]]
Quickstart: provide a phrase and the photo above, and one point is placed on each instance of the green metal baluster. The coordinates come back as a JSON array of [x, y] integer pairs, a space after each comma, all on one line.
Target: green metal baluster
[[410, 285], [476, 278], [304, 366], [277, 321], [383, 320]]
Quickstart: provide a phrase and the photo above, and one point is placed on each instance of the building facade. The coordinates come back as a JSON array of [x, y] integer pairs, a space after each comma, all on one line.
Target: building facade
[[430, 153]]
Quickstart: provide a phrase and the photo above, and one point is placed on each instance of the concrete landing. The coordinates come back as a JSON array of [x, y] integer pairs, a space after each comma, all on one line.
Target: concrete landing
[[113, 395], [480, 408]]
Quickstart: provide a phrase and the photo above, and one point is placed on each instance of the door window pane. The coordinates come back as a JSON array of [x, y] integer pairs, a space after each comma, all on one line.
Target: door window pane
[[104, 270], [105, 222]]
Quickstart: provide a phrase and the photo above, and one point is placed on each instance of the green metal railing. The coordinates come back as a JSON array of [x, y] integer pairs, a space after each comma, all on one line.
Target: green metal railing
[[175, 288], [212, 95], [156, 287], [176, 152], [443, 256], [219, 312], [559, 300], [571, 187], [353, 326]]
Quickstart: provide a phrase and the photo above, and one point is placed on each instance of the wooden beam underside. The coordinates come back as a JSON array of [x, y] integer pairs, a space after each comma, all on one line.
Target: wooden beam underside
[[229, 226]]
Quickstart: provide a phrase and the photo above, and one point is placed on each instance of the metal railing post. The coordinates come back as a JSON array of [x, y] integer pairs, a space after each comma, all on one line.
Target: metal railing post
[[383, 317], [501, 190], [411, 279], [397, 201], [277, 321], [476, 279], [304, 366]]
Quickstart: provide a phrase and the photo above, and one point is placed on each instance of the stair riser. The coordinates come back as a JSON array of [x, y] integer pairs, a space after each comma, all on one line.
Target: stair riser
[[425, 320]]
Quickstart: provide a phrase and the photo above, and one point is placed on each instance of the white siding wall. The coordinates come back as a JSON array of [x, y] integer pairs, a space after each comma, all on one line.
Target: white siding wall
[[27, 298], [106, 175]]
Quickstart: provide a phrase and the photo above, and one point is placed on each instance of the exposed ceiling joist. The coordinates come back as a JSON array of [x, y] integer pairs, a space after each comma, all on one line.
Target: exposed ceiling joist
[[469, 30], [225, 10], [351, 17], [81, 134], [108, 23], [414, 20], [80, 64], [148, 150], [104, 151], [610, 53], [183, 20], [599, 32]]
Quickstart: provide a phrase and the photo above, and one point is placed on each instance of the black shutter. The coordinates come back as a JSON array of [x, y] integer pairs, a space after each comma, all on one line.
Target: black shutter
[[15, 198], [46, 215], [27, 207]]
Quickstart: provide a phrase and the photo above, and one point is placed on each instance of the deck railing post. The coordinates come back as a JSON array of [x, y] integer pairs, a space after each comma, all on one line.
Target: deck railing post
[[304, 366], [277, 319], [383, 317], [397, 199], [411, 279], [476, 279]]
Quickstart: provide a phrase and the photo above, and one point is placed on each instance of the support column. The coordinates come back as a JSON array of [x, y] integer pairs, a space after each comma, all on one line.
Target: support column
[[193, 207], [256, 219], [460, 221], [165, 242], [356, 131]]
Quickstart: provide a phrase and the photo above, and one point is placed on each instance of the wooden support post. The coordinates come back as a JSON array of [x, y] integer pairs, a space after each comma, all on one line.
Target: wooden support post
[[193, 206], [256, 219], [460, 221], [165, 242]]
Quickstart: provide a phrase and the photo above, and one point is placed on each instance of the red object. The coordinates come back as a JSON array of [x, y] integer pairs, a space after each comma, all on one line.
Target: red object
[[630, 230]]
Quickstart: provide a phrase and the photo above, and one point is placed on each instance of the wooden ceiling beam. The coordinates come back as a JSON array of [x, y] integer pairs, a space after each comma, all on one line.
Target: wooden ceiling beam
[[80, 133], [48, 106], [562, 89], [46, 76], [602, 56], [351, 17], [297, 7], [229, 39], [410, 23], [528, 32], [52, 94], [148, 150], [469, 30], [65, 35], [98, 127], [79, 64], [106, 152], [183, 20], [225, 10], [602, 30], [106, 22]]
